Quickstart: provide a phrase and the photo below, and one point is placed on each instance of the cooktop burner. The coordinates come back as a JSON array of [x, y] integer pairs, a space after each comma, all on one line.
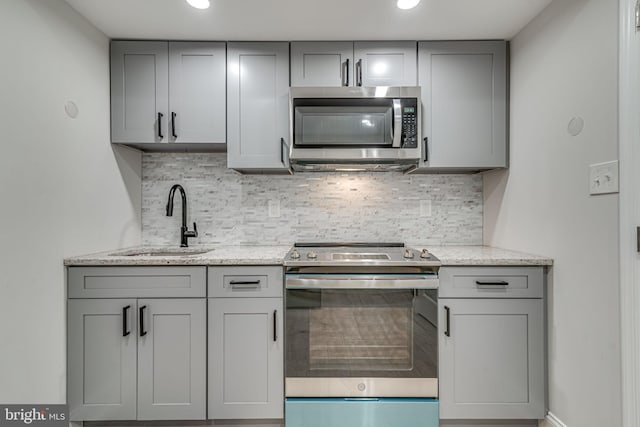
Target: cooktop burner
[[358, 254]]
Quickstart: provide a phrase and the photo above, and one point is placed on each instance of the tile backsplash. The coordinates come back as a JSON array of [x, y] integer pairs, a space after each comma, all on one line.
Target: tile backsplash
[[230, 208]]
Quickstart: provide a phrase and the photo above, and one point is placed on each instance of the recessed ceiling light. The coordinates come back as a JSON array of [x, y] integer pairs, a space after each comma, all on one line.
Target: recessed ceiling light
[[202, 4], [407, 4]]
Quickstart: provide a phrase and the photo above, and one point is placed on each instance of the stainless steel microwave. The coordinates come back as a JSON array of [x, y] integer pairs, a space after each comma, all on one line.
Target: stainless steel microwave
[[355, 128]]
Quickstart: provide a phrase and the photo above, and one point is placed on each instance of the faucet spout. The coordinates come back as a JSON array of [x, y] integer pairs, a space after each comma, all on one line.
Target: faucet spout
[[185, 233]]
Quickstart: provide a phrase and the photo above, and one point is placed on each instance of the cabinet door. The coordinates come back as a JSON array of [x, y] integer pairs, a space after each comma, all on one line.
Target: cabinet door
[[172, 359], [197, 85], [245, 358], [464, 113], [385, 63], [491, 365], [322, 64], [139, 91], [101, 359], [257, 106]]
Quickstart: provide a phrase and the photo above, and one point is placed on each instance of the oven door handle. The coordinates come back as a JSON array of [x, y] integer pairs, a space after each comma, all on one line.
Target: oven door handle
[[409, 281]]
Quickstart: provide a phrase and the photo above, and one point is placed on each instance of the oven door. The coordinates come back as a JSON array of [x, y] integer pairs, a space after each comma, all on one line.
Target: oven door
[[373, 337]]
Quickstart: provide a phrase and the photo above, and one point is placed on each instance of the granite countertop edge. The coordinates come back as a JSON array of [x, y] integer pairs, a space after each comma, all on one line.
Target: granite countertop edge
[[275, 254]]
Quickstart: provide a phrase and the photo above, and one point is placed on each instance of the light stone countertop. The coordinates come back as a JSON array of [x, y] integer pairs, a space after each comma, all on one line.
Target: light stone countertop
[[274, 255]]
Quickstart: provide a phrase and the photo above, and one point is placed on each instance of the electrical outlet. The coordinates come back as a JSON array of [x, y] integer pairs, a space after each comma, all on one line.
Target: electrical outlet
[[603, 178], [425, 208], [274, 208]]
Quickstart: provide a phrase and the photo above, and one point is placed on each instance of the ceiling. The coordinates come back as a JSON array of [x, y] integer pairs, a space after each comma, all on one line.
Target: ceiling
[[310, 19]]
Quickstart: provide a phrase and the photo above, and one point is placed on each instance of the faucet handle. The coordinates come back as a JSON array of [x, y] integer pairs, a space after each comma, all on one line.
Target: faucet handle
[[195, 230]]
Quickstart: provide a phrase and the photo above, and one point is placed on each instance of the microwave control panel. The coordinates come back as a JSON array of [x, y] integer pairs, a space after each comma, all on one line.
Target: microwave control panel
[[409, 123]]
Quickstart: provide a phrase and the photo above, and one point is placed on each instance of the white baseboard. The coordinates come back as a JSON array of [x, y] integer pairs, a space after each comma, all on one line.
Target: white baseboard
[[552, 421]]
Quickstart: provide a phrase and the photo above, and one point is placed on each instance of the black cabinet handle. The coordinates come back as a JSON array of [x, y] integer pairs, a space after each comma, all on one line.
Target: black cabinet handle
[[275, 325], [359, 72], [173, 124], [425, 140], [283, 145], [125, 318], [345, 73], [160, 115], [492, 283], [142, 331], [447, 331]]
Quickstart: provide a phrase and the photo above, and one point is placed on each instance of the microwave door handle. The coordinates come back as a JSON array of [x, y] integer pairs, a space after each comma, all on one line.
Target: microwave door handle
[[397, 123]]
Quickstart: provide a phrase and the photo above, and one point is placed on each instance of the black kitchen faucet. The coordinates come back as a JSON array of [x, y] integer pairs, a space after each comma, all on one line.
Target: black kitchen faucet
[[185, 233]]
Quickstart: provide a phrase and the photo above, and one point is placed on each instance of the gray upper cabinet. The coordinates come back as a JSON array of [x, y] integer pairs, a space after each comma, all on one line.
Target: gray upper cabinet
[[353, 64], [464, 97], [245, 358], [197, 91], [139, 91], [258, 106], [168, 95], [322, 64], [101, 361], [385, 63]]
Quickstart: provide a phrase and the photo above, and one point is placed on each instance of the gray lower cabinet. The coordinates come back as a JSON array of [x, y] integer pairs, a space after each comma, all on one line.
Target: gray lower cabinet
[[464, 104], [492, 344], [258, 106], [136, 358], [168, 95], [245, 358], [101, 361]]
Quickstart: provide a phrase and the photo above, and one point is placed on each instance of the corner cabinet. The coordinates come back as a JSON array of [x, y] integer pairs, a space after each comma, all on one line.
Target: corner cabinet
[[246, 353], [258, 106], [168, 96], [492, 343], [464, 98], [136, 343], [387, 63]]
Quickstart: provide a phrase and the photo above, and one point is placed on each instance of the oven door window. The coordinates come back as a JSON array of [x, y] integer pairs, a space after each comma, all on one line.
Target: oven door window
[[358, 333], [344, 123]]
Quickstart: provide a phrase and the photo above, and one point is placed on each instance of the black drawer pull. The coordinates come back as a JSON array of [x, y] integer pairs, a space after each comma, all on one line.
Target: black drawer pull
[[160, 115], [492, 283], [244, 282], [125, 323]]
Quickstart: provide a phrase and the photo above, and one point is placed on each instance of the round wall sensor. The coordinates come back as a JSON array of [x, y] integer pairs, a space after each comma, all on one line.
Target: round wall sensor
[[575, 126], [71, 109]]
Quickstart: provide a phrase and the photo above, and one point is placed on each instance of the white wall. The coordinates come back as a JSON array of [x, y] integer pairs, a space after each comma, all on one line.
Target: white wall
[[63, 189], [564, 64]]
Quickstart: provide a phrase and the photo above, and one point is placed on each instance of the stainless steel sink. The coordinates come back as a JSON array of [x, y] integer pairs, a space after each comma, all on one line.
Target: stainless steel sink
[[162, 252]]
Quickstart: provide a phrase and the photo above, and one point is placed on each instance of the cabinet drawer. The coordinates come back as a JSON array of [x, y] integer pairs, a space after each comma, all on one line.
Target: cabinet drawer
[[136, 282], [237, 282], [491, 282]]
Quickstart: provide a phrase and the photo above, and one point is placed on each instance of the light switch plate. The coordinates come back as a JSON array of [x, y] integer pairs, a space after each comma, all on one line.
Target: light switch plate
[[603, 178]]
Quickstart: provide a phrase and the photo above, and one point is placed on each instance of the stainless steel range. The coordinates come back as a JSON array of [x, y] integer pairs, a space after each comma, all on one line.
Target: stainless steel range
[[360, 321]]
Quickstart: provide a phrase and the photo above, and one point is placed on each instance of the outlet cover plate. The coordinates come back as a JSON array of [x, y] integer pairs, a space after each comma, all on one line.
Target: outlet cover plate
[[603, 178]]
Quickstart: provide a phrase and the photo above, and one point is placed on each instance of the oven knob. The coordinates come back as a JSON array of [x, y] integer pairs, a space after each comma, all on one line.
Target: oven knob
[[408, 253], [425, 254], [312, 255], [295, 254]]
